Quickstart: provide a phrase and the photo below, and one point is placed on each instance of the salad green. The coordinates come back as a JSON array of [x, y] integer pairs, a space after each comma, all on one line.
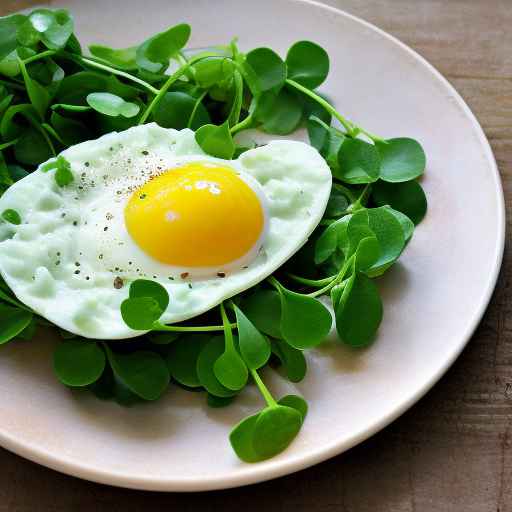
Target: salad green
[[52, 96]]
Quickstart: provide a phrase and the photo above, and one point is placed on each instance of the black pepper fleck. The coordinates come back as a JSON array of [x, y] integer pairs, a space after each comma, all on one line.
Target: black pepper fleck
[[87, 164], [75, 223], [105, 228], [142, 196], [190, 285], [77, 271], [145, 153], [221, 274]]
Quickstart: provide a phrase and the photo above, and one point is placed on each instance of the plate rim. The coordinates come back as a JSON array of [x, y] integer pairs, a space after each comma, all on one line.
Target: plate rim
[[280, 468]]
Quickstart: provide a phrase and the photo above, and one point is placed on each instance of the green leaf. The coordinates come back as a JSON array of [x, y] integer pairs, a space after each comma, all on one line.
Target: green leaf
[[32, 148], [8, 29], [358, 161], [143, 372], [263, 308], [401, 160], [241, 439], [11, 216], [205, 363], [254, 347], [292, 359], [305, 321], [230, 370], [78, 362], [216, 140], [406, 223], [337, 204], [55, 27], [70, 130], [307, 63], [147, 288], [406, 197], [112, 105], [154, 54], [217, 402], [12, 322], [123, 58], [280, 113], [213, 71], [37, 94], [367, 253], [16, 172], [182, 359], [140, 313], [327, 243], [359, 311], [63, 174], [175, 109], [268, 67], [295, 402], [162, 338], [275, 428]]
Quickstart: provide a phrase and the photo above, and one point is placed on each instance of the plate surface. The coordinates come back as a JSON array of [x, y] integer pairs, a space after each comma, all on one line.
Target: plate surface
[[433, 299]]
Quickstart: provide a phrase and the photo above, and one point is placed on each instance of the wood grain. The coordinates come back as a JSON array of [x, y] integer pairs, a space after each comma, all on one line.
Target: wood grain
[[453, 450]]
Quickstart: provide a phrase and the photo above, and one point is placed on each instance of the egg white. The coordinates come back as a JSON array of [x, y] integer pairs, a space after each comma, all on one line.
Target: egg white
[[52, 260]]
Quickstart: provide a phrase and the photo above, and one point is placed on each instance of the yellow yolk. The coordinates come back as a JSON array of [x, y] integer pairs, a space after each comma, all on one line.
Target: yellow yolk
[[197, 215]]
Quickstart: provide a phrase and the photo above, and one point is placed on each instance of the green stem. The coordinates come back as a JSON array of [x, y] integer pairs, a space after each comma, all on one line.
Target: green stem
[[14, 85], [157, 326], [242, 125], [263, 389], [117, 72], [53, 133], [336, 280], [42, 55], [348, 125], [275, 283], [315, 283], [196, 106], [358, 204], [346, 191], [228, 334], [172, 78], [5, 145]]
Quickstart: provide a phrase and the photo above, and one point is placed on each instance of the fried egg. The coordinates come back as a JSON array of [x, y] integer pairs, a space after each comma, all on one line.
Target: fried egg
[[149, 203]]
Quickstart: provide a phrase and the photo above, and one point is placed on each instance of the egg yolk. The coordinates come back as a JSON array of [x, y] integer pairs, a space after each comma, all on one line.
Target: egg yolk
[[197, 215]]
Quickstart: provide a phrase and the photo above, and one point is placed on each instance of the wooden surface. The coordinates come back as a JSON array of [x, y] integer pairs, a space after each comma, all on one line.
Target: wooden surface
[[453, 450]]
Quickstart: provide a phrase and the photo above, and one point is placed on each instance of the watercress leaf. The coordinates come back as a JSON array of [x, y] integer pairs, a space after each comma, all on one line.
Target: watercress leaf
[[154, 54], [275, 428], [358, 161], [143, 372], [29, 332], [230, 370], [213, 71], [357, 229], [241, 439], [360, 300], [8, 28], [237, 99], [217, 402], [78, 362], [104, 387], [254, 347], [123, 58], [336, 293], [367, 253], [269, 68], [295, 402], [55, 27], [406, 223], [337, 204], [63, 174], [263, 309], [32, 148], [327, 243], [175, 108], [307, 63], [182, 359], [305, 321], [12, 322], [111, 105], [11, 216], [38, 95], [292, 359], [317, 132], [211, 351], [73, 45], [27, 35], [280, 113], [216, 140], [17, 172], [407, 197], [70, 130], [140, 313], [148, 288], [70, 108], [402, 159]]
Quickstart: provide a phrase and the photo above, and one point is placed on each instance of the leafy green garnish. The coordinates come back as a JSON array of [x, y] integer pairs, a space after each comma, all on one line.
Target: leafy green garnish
[[216, 140], [11, 216], [111, 105]]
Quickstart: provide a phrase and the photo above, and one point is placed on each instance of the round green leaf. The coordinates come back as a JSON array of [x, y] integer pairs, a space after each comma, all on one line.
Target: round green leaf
[[148, 288], [401, 160], [230, 370], [292, 359], [263, 308], [11, 216], [327, 243], [12, 322], [307, 63], [123, 58], [358, 161], [241, 439], [213, 71], [406, 223], [174, 111], [216, 140], [305, 321], [143, 372], [337, 204], [269, 68], [254, 347], [275, 428], [140, 313], [407, 197], [32, 148], [78, 362], [295, 402], [182, 359], [367, 253], [359, 311], [280, 113], [205, 363], [111, 105]]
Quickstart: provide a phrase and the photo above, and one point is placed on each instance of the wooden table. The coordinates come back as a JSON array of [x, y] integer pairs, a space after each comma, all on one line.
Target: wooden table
[[453, 450]]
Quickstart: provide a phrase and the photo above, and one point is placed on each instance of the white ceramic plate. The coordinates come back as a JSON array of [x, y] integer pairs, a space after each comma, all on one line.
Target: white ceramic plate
[[433, 299]]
